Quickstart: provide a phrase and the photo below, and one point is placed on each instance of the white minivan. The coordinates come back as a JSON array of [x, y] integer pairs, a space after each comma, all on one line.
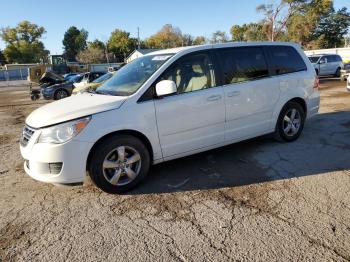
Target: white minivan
[[170, 104]]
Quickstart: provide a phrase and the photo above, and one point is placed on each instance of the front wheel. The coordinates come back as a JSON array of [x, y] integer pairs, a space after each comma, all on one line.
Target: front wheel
[[290, 122], [60, 94], [119, 163]]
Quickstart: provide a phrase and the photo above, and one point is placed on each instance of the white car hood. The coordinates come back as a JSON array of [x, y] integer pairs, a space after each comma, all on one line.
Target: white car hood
[[73, 107]]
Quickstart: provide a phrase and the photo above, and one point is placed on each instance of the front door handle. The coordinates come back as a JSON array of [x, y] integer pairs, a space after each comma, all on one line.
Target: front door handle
[[233, 93], [214, 98]]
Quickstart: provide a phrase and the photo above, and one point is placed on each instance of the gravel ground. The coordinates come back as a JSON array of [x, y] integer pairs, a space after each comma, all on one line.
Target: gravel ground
[[255, 200]]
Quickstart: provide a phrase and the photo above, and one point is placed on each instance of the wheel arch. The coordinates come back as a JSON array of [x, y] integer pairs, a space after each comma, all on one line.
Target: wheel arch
[[300, 101], [296, 99], [130, 132]]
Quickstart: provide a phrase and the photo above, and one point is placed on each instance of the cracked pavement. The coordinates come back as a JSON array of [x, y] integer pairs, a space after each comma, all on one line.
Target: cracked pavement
[[256, 200]]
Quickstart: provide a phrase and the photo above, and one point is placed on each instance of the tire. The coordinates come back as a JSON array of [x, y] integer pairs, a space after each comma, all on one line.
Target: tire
[[285, 130], [60, 94], [337, 73], [110, 172]]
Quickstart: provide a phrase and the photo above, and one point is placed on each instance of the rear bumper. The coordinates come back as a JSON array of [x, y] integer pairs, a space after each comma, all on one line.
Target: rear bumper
[[313, 104]]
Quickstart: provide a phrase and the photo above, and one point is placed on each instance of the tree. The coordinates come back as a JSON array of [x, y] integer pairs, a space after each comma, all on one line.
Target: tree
[[91, 55], [303, 23], [333, 28], [121, 44], [219, 37], [2, 58], [199, 40], [167, 37], [277, 16], [74, 40], [187, 40], [23, 43], [97, 43], [248, 32]]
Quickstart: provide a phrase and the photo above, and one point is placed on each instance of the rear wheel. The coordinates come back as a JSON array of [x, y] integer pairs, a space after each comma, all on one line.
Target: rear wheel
[[60, 94], [290, 122], [119, 163]]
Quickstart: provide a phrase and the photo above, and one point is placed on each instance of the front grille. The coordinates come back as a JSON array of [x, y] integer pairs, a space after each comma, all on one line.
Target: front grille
[[27, 133]]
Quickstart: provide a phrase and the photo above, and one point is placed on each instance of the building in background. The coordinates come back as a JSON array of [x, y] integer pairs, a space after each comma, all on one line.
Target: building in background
[[138, 53]]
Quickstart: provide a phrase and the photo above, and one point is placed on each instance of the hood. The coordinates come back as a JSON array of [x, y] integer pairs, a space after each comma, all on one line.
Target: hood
[[50, 77], [71, 108]]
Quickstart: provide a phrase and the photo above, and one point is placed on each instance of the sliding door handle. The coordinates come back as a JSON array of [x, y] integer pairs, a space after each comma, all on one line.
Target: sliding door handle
[[233, 93], [214, 98]]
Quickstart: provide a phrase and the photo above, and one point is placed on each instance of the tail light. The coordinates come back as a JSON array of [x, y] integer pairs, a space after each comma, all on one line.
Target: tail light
[[317, 82]]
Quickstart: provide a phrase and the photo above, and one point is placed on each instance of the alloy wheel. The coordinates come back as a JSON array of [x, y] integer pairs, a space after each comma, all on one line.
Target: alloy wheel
[[122, 165], [291, 122]]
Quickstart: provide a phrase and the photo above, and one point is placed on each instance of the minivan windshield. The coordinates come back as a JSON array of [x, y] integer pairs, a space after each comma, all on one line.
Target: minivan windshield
[[133, 75], [314, 59]]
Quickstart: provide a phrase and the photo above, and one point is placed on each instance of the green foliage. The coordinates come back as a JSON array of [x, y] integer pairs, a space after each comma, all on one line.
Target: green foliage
[[219, 37], [248, 32], [74, 41], [167, 37], [2, 58], [199, 40], [332, 28], [96, 44], [23, 43], [121, 44]]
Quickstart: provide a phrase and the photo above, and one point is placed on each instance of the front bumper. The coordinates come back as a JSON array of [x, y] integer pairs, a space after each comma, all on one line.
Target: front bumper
[[56, 163], [47, 95]]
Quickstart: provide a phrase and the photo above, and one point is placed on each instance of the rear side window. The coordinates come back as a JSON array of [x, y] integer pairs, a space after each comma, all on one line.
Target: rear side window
[[331, 58], [285, 59], [243, 64]]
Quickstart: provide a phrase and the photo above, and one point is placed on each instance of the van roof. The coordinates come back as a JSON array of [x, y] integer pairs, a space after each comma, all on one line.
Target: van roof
[[223, 45]]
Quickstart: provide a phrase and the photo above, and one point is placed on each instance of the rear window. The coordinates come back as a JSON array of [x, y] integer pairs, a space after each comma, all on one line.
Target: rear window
[[285, 59], [243, 64]]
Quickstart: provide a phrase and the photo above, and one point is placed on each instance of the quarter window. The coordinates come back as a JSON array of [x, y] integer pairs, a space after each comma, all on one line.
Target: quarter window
[[285, 59], [191, 73], [243, 64]]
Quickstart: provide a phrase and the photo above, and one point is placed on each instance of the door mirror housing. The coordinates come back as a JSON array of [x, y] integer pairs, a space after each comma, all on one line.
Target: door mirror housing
[[322, 61], [165, 87]]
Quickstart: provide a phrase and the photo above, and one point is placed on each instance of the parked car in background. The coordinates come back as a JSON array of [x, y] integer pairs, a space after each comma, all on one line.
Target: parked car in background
[[62, 89], [70, 75], [88, 78], [170, 104], [345, 72], [94, 84], [49, 79], [327, 65]]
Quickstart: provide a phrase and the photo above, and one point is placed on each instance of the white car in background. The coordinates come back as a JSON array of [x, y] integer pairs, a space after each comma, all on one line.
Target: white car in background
[[170, 104], [327, 65]]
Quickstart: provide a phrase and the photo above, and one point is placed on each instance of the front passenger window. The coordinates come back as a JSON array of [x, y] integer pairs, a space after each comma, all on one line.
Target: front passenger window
[[191, 73]]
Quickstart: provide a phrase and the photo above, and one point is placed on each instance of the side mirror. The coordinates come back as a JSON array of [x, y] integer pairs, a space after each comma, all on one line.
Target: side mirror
[[165, 87], [322, 61]]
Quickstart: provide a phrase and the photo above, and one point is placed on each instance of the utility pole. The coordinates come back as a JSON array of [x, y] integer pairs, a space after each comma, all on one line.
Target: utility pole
[[138, 38]]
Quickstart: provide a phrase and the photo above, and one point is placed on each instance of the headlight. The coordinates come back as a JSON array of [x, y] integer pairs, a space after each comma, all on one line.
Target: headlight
[[63, 132]]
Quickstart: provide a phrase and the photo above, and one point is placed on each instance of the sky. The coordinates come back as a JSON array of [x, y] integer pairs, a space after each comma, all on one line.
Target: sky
[[100, 18]]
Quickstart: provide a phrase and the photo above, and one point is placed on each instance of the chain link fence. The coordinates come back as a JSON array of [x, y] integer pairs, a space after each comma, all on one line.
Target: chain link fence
[[13, 74]]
